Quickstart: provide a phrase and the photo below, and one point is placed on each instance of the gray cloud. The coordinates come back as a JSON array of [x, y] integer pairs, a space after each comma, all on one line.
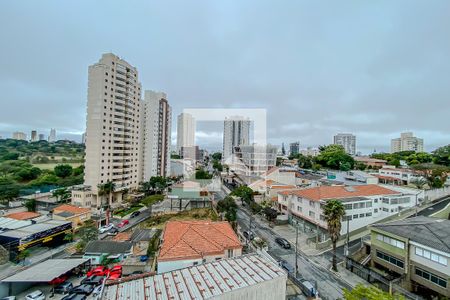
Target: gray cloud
[[318, 67]]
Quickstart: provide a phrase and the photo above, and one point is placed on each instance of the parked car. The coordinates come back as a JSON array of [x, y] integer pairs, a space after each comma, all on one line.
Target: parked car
[[63, 288], [308, 288], [114, 276], [93, 280], [36, 295], [106, 228], [123, 223], [116, 269], [99, 271], [74, 297], [97, 291], [285, 265], [85, 289], [283, 243], [249, 235], [113, 231], [9, 298], [135, 214]]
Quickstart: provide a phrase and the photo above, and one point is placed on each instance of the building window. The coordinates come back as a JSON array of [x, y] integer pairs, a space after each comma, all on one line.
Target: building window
[[390, 259], [431, 256], [391, 241], [431, 277], [230, 252], [312, 214], [348, 206]]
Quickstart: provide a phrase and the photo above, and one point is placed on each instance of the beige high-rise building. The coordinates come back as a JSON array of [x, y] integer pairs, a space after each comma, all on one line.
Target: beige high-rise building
[[346, 140], [407, 142], [185, 131], [19, 136], [34, 136], [157, 120], [113, 130]]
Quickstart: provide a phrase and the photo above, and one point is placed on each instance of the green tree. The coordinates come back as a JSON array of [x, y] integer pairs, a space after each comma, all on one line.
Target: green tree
[[202, 174], [244, 192], [362, 292], [23, 255], [334, 211], [271, 214], [63, 171], [158, 183], [174, 156], [229, 207], [9, 189], [216, 156], [334, 157], [217, 166], [441, 156], [30, 204], [88, 231], [107, 188], [62, 194], [436, 175], [305, 162], [27, 174], [360, 166]]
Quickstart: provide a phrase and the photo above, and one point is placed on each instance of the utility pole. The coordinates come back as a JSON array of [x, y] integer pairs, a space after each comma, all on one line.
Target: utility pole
[[296, 245], [348, 239]]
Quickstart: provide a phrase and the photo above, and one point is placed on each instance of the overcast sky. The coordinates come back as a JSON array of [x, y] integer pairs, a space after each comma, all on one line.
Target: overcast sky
[[373, 68]]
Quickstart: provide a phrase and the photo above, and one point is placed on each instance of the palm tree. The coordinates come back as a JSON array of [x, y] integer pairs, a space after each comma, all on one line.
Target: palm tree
[[333, 211], [107, 188]]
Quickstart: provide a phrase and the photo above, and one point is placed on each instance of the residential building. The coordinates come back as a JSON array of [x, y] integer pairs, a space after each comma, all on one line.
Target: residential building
[[83, 196], [19, 136], [392, 175], [185, 131], [83, 138], [66, 212], [25, 215], [364, 205], [236, 132], [188, 195], [190, 243], [192, 153], [52, 136], [268, 189], [182, 167], [294, 148], [41, 137], [113, 128], [280, 175], [253, 160], [417, 250], [371, 162], [407, 142], [251, 276], [346, 140], [98, 251], [34, 136], [310, 152], [157, 120]]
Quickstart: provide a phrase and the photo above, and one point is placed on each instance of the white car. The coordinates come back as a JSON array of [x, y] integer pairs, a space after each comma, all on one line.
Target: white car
[[36, 295], [105, 228], [97, 291]]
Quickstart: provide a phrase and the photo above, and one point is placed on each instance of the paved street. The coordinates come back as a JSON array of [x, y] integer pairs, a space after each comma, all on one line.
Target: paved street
[[145, 214], [434, 208]]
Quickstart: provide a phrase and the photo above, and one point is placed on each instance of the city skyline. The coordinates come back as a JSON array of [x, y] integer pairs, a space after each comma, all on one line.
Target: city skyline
[[370, 87]]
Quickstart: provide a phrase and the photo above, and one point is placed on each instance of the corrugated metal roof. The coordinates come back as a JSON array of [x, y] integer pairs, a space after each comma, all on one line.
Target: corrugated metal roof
[[46, 271], [34, 228], [198, 282], [9, 223]]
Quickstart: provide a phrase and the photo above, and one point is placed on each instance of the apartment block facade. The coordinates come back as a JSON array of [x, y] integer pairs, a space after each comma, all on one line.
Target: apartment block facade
[[253, 160], [185, 131], [19, 136], [157, 120], [113, 128], [294, 148], [416, 250], [407, 142], [346, 140], [236, 132]]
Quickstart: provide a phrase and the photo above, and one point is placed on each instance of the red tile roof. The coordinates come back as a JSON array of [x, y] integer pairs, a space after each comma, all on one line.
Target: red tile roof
[[26, 215], [337, 192], [196, 239], [71, 208]]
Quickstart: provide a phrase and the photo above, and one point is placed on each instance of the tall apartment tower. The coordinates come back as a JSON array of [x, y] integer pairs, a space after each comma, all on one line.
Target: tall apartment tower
[[52, 136], [236, 132], [185, 131], [157, 120], [407, 142], [112, 128], [348, 141], [19, 136], [294, 148], [41, 137], [34, 136]]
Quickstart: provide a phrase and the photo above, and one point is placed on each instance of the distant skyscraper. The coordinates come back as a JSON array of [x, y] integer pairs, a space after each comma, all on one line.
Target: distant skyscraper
[[41, 137], [83, 138], [294, 148], [236, 132], [348, 141], [34, 136], [407, 142], [185, 131], [157, 120], [283, 150], [52, 136], [19, 136], [112, 128]]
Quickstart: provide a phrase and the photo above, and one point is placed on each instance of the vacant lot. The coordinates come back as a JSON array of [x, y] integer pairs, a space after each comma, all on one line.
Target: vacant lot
[[194, 214]]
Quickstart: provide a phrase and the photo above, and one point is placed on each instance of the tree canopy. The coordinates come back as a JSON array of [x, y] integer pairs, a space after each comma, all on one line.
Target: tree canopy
[[335, 157], [362, 292]]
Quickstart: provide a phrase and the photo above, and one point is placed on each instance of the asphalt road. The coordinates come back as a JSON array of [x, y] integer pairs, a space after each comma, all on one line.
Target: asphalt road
[[145, 214], [434, 208], [329, 286]]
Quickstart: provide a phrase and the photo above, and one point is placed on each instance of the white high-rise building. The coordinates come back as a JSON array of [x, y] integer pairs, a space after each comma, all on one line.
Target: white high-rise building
[[19, 136], [253, 160], [185, 131], [407, 142], [52, 136], [346, 140], [236, 132], [157, 120], [113, 145]]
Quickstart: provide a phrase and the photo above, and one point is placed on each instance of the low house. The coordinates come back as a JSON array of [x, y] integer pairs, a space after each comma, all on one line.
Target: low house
[[98, 251], [188, 195], [190, 243], [141, 239], [245, 277], [370, 162], [25, 215], [76, 215], [364, 205], [267, 189], [398, 176], [417, 250]]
